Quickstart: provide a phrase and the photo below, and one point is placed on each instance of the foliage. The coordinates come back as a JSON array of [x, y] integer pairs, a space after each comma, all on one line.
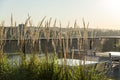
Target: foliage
[[40, 69]]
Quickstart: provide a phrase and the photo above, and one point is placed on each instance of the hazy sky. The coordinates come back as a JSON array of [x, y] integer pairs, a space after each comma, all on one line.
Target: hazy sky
[[99, 13]]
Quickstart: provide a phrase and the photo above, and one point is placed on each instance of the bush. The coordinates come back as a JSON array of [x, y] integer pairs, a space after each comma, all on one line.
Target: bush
[[40, 69]]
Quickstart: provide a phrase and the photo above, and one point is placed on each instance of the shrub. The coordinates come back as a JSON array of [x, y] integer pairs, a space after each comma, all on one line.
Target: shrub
[[40, 69]]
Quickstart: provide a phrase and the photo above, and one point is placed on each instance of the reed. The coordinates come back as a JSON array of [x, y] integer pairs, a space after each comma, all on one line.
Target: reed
[[54, 37], [61, 41], [47, 68], [85, 39], [39, 33], [3, 34]]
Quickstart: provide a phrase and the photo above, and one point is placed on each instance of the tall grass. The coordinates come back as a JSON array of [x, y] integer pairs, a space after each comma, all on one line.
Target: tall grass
[[2, 38], [47, 68]]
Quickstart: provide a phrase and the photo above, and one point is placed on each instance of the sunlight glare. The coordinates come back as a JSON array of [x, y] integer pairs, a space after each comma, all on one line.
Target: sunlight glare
[[112, 5]]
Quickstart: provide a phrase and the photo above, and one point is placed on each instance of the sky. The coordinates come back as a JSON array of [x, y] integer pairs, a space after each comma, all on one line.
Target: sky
[[99, 13]]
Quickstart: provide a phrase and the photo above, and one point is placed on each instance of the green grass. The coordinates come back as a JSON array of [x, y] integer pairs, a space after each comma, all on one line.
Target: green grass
[[40, 69]]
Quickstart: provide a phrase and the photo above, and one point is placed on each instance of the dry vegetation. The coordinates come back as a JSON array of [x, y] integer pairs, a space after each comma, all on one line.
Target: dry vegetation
[[63, 40], [59, 38]]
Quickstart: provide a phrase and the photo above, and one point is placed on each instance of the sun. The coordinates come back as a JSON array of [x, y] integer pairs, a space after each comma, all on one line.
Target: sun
[[115, 4], [112, 5]]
